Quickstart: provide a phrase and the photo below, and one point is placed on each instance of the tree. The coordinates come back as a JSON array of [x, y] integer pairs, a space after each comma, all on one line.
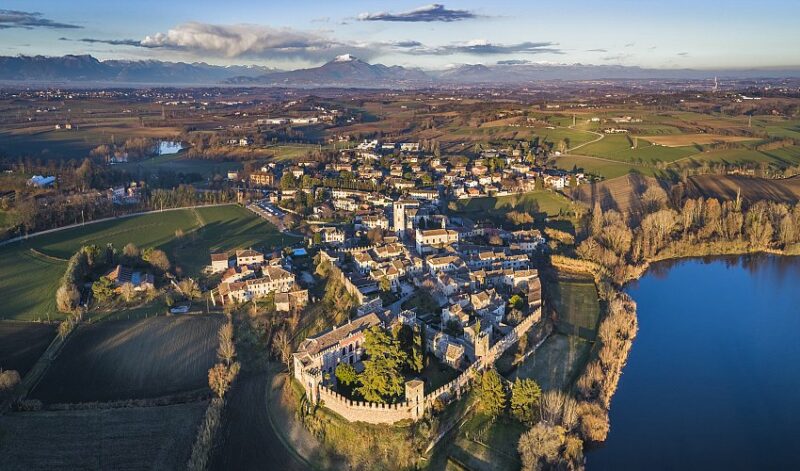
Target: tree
[[189, 288], [346, 374], [492, 393], [9, 379], [131, 252], [382, 378], [103, 288], [384, 284], [226, 351], [67, 297], [525, 400], [128, 292], [220, 377], [282, 347], [540, 446], [158, 259]]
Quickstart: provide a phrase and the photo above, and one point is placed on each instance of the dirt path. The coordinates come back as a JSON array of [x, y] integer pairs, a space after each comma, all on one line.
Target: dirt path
[[247, 440]]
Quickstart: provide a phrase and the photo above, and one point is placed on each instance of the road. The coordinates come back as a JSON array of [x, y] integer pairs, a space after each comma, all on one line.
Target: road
[[247, 439]]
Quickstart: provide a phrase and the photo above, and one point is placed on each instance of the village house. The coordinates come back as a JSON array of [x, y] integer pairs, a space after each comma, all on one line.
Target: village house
[[431, 239], [122, 275], [249, 257], [219, 262]]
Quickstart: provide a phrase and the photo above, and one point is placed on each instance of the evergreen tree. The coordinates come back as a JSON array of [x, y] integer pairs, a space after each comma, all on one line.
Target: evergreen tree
[[382, 379]]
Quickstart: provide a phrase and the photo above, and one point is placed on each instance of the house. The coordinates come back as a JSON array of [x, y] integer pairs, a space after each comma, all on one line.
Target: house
[[262, 179], [429, 240], [249, 257], [41, 182], [219, 262], [122, 274], [409, 146], [331, 235], [285, 302]]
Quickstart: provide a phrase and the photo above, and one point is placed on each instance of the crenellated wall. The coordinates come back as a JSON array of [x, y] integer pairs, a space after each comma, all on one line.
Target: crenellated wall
[[370, 412], [375, 413]]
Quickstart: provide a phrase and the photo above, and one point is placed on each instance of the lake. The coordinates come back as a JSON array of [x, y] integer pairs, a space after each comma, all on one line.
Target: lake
[[713, 378]]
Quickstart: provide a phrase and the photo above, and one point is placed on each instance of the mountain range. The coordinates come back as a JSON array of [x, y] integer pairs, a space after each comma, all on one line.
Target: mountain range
[[343, 71]]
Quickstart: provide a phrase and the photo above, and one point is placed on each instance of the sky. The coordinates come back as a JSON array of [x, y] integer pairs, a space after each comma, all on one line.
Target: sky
[[697, 34]]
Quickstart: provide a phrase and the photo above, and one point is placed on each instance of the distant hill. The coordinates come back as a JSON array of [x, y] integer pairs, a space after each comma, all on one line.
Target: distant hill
[[343, 71], [85, 68]]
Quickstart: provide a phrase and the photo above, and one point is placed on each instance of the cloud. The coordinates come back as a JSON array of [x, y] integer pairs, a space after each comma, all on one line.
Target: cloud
[[617, 57], [597, 50], [514, 62], [254, 41], [113, 42], [630, 44], [683, 54], [484, 47], [29, 20], [427, 13]]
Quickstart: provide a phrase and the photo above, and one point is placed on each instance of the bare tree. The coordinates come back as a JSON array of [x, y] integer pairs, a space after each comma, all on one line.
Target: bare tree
[[282, 348], [226, 350]]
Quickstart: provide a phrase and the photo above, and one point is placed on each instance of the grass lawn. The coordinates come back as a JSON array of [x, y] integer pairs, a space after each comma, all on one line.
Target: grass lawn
[[539, 201], [487, 445], [784, 157], [436, 375], [32, 269]]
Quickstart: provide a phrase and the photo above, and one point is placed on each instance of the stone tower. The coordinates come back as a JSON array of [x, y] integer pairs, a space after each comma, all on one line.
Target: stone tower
[[415, 395]]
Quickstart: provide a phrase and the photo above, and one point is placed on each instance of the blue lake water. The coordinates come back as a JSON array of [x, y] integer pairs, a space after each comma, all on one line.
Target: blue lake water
[[713, 378]]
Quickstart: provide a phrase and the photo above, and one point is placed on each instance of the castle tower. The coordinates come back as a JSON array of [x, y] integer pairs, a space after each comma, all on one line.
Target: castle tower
[[482, 342], [415, 395]]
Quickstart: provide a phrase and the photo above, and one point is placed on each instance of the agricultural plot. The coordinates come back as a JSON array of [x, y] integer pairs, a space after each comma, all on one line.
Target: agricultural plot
[[22, 343], [784, 157], [725, 187], [157, 438], [118, 360], [622, 194], [680, 140], [539, 202], [619, 147], [45, 142], [601, 167], [32, 269], [180, 164], [557, 361]]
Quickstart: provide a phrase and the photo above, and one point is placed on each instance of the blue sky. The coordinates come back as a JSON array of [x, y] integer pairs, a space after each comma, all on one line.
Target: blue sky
[[288, 34]]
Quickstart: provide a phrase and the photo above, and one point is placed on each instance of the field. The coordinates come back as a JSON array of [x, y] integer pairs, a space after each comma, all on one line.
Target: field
[[117, 360], [157, 438], [540, 202], [725, 187], [679, 140], [22, 343], [180, 164], [32, 269], [622, 193], [45, 142], [618, 147], [602, 167], [559, 358]]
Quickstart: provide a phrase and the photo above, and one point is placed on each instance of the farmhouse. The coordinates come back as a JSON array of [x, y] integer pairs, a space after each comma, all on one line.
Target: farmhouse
[[219, 262], [121, 275], [249, 257]]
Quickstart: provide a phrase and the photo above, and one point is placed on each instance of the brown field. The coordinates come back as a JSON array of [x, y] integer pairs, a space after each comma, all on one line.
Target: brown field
[[132, 359], [752, 189], [622, 193], [156, 438], [679, 140], [22, 343]]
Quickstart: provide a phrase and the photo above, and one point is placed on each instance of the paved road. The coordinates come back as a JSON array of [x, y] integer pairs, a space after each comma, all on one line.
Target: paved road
[[247, 440]]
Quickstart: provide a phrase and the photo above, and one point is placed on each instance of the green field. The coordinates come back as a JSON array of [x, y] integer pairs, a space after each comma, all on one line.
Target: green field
[[787, 156], [618, 147], [539, 201], [600, 167], [178, 163], [32, 269], [560, 357]]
